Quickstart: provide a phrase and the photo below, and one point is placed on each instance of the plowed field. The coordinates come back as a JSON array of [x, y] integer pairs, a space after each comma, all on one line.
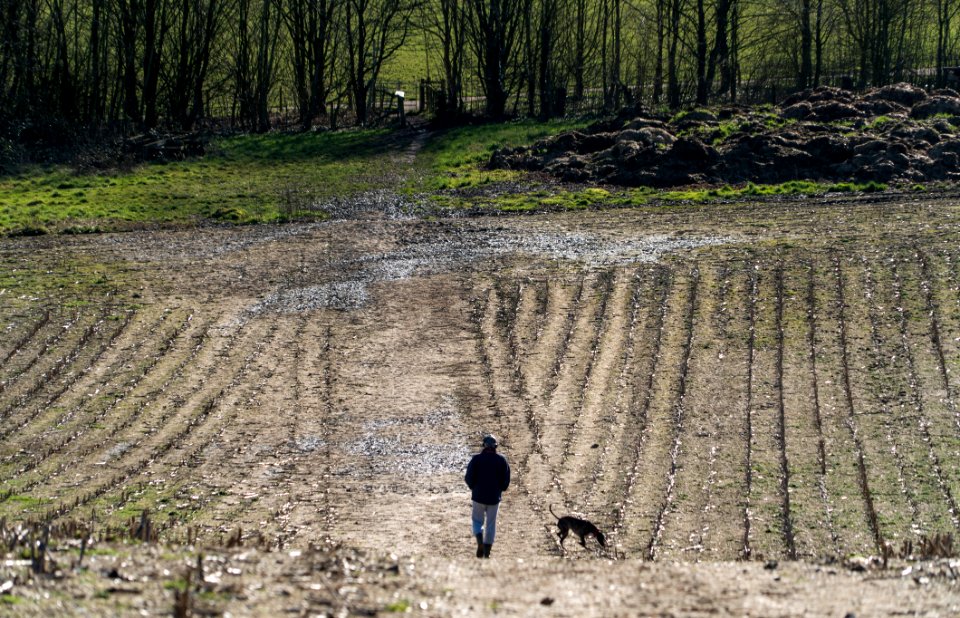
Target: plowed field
[[769, 381]]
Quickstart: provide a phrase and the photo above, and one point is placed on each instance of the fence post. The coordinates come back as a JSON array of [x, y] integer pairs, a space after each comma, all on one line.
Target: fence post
[[421, 102], [401, 111]]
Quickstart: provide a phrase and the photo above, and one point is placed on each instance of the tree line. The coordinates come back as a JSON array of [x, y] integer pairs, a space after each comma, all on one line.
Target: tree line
[[175, 63]]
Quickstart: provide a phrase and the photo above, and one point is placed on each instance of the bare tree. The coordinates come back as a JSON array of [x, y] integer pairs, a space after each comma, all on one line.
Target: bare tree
[[96, 98], [68, 64], [582, 43], [546, 61], [494, 28], [197, 24], [673, 45], [143, 30], [18, 60], [449, 28], [375, 30], [529, 63], [703, 86], [61, 86], [661, 22], [945, 12], [254, 74], [313, 30], [877, 29], [615, 88], [719, 59]]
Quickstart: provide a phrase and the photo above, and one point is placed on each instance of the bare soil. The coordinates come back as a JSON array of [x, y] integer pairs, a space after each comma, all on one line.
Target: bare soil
[[750, 399]]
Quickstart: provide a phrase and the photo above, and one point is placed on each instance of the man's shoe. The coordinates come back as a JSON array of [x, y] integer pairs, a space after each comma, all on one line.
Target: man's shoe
[[486, 550], [479, 545]]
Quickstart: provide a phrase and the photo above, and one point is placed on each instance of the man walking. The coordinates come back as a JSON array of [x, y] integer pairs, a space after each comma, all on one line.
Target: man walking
[[488, 475]]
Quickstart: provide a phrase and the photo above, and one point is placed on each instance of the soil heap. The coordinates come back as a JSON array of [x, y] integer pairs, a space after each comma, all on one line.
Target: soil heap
[[898, 133]]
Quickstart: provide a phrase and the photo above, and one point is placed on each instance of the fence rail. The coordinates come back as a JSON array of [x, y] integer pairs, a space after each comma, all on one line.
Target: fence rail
[[430, 97]]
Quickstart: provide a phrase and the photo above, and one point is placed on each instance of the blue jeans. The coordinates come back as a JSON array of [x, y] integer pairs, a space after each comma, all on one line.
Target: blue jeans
[[486, 512]]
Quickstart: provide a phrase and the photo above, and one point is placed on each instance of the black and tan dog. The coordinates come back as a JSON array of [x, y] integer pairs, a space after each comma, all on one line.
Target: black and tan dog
[[580, 527]]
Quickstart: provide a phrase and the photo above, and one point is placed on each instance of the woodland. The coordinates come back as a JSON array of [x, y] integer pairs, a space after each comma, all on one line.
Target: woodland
[[71, 67]]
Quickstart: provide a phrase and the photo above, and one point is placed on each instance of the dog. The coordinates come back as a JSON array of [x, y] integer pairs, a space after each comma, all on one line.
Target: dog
[[580, 527]]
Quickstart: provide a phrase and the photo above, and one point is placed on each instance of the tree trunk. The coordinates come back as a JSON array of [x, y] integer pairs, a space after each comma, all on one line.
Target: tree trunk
[[720, 54], [451, 31], [129, 23], [548, 16], [374, 31], [616, 59], [530, 63], [703, 86], [733, 74], [95, 100], [264, 71], [673, 67], [818, 45], [806, 46], [580, 50], [155, 30], [661, 40], [494, 27]]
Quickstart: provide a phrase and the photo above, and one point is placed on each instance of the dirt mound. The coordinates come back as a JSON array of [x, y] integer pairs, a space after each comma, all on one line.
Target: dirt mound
[[897, 133]]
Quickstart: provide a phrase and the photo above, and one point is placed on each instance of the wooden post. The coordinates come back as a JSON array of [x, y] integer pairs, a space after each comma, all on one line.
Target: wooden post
[[401, 112]]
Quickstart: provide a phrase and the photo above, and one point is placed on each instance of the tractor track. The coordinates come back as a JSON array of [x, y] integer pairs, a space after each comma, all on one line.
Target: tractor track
[[22, 341], [923, 423], [746, 551], [663, 281], [679, 416], [812, 343], [851, 420], [781, 437]]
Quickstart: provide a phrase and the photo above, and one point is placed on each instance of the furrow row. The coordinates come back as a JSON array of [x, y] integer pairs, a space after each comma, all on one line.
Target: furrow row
[[14, 422], [678, 420], [167, 435], [87, 416], [22, 342]]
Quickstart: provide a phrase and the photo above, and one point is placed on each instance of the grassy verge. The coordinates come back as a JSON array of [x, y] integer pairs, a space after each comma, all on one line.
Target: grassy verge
[[243, 179], [456, 158], [255, 179], [596, 197], [278, 177]]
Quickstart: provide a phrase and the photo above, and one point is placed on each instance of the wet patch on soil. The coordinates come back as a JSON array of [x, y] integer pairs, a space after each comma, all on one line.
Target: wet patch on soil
[[390, 455], [399, 445], [594, 251], [456, 247], [381, 204], [344, 295]]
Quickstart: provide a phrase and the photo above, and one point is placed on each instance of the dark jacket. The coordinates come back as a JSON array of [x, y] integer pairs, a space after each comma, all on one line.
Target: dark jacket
[[488, 475]]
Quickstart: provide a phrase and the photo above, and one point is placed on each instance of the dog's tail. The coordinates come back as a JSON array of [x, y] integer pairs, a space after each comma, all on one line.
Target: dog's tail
[[550, 506]]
